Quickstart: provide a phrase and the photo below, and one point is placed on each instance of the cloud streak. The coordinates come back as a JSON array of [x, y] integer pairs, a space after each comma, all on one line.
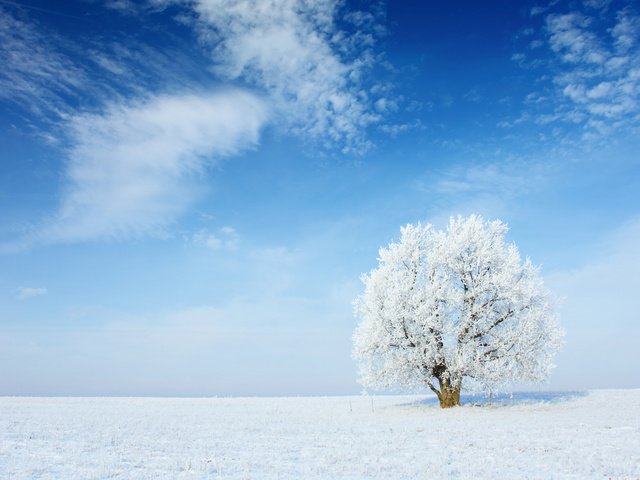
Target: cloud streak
[[33, 73], [51, 77], [131, 170], [24, 293]]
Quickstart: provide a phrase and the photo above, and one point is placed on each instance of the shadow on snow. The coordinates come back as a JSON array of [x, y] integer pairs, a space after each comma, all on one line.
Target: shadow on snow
[[507, 399]]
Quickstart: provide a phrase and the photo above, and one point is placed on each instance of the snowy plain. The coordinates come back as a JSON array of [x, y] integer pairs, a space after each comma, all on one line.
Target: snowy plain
[[592, 434]]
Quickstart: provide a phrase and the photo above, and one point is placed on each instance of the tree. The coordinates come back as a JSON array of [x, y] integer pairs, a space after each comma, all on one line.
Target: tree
[[454, 306]]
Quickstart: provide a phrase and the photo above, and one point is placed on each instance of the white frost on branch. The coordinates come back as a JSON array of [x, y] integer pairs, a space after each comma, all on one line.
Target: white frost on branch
[[454, 305]]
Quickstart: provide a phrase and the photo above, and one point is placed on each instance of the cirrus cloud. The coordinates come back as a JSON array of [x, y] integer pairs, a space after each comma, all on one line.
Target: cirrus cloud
[[23, 293], [131, 169]]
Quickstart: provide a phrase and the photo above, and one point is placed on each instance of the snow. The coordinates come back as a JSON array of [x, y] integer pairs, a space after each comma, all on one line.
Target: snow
[[569, 435]]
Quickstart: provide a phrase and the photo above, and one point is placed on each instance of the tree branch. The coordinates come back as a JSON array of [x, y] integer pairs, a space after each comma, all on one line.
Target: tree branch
[[433, 388], [494, 324]]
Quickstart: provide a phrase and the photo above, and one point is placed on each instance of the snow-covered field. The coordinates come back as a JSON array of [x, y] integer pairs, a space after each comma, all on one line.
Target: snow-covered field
[[582, 435]]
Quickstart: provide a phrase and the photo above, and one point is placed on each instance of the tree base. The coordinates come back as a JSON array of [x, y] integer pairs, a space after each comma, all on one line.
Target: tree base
[[449, 397]]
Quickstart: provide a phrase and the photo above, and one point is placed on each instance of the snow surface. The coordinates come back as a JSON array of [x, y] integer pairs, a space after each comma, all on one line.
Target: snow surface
[[568, 435]]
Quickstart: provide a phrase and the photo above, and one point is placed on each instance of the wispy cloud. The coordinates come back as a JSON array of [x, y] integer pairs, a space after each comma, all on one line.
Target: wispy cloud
[[570, 37], [131, 170], [593, 68], [597, 4], [226, 238], [395, 129], [495, 188], [504, 179], [51, 77], [294, 52], [599, 73], [126, 7], [35, 74], [130, 167], [24, 293]]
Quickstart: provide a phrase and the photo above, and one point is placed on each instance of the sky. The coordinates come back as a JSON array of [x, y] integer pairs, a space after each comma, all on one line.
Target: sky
[[190, 190]]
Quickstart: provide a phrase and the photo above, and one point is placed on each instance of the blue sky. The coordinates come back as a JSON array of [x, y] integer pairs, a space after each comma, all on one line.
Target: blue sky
[[190, 190]]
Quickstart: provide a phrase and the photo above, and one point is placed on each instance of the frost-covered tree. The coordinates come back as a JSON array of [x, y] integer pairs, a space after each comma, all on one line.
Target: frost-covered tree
[[454, 307]]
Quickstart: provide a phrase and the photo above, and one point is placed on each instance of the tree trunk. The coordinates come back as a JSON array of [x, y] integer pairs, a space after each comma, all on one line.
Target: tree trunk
[[449, 394]]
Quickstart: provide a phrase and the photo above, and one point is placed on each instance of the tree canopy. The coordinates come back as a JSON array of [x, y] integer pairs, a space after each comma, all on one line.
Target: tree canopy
[[450, 308]]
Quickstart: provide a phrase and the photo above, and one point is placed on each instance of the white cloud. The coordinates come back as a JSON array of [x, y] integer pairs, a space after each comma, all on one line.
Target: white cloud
[[126, 7], [536, 44], [292, 50], [500, 188], [130, 170], [23, 293], [34, 73], [48, 75], [395, 129], [626, 31], [597, 67], [597, 4], [570, 36], [538, 10], [226, 238], [589, 89], [503, 179]]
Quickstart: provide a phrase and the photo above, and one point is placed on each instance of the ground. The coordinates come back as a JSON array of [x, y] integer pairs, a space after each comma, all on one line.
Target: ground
[[570, 435]]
